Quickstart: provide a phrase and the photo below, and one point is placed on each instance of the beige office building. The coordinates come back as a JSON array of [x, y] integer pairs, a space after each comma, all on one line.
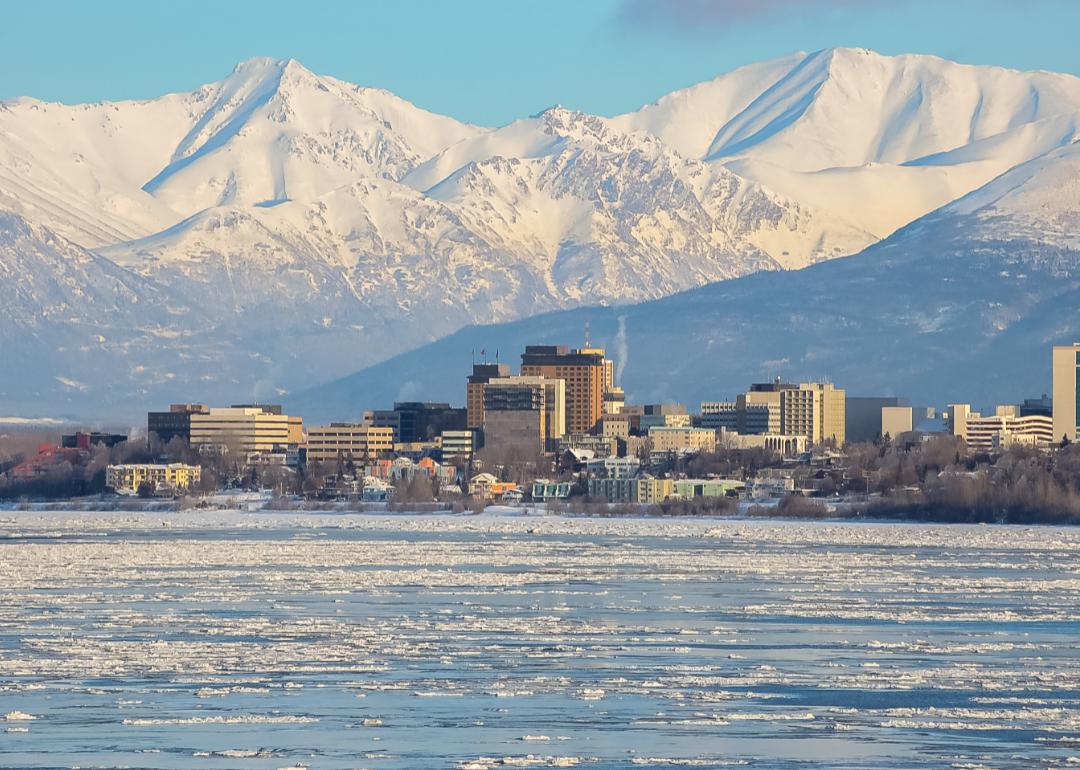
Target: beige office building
[[1066, 363], [896, 420], [361, 443], [241, 428], [815, 410]]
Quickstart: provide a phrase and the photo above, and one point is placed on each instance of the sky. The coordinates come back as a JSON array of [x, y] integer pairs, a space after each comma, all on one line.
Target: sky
[[491, 61]]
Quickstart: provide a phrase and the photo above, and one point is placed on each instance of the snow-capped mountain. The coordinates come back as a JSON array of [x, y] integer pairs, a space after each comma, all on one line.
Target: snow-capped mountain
[[281, 228], [960, 306]]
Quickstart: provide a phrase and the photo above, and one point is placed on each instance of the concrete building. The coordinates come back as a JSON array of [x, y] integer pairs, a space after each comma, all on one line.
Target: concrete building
[[862, 416], [347, 440], [1066, 407], [516, 415], [175, 423], [241, 428], [896, 420], [587, 376], [815, 410], [474, 391], [685, 439], [126, 479]]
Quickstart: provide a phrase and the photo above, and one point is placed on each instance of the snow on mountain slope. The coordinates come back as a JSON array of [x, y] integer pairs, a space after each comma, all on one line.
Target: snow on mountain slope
[[623, 210], [275, 132], [848, 107], [853, 133], [110, 172], [279, 227], [961, 305]]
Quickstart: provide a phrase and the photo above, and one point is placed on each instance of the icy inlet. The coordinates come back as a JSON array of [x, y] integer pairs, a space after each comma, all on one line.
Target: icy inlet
[[265, 641]]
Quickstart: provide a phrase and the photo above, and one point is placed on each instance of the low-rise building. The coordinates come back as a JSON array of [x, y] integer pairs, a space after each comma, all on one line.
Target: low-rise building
[[682, 439], [690, 488], [458, 445], [613, 467], [128, 478], [544, 490], [783, 445], [643, 490]]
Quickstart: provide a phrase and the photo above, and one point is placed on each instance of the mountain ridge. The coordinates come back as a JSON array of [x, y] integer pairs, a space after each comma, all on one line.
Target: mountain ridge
[[354, 224]]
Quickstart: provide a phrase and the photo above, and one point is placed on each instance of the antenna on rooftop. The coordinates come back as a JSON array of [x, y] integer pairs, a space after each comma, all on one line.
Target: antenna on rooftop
[[587, 345]]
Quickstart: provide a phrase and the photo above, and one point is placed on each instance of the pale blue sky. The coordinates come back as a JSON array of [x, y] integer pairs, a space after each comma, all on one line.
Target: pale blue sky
[[490, 61]]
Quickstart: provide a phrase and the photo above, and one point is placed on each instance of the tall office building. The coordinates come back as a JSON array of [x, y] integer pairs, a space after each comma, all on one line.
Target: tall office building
[[586, 373], [474, 390], [1066, 362], [517, 411], [815, 410]]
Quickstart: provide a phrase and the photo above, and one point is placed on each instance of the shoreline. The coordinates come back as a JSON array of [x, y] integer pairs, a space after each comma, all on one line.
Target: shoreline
[[494, 513]]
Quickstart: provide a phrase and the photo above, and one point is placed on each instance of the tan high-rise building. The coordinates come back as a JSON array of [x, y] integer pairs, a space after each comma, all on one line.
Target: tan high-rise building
[[586, 373], [1066, 363], [474, 390], [814, 410], [361, 443]]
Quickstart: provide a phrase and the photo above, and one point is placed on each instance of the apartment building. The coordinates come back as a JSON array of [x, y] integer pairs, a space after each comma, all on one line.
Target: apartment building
[[127, 478]]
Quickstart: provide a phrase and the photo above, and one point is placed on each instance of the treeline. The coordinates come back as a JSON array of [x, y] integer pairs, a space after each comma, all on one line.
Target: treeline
[[939, 481]]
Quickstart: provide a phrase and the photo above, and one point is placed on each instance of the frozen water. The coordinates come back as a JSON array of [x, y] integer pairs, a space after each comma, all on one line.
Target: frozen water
[[264, 641]]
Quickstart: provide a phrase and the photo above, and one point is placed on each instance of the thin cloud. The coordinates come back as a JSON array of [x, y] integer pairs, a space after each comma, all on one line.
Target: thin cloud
[[698, 15]]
